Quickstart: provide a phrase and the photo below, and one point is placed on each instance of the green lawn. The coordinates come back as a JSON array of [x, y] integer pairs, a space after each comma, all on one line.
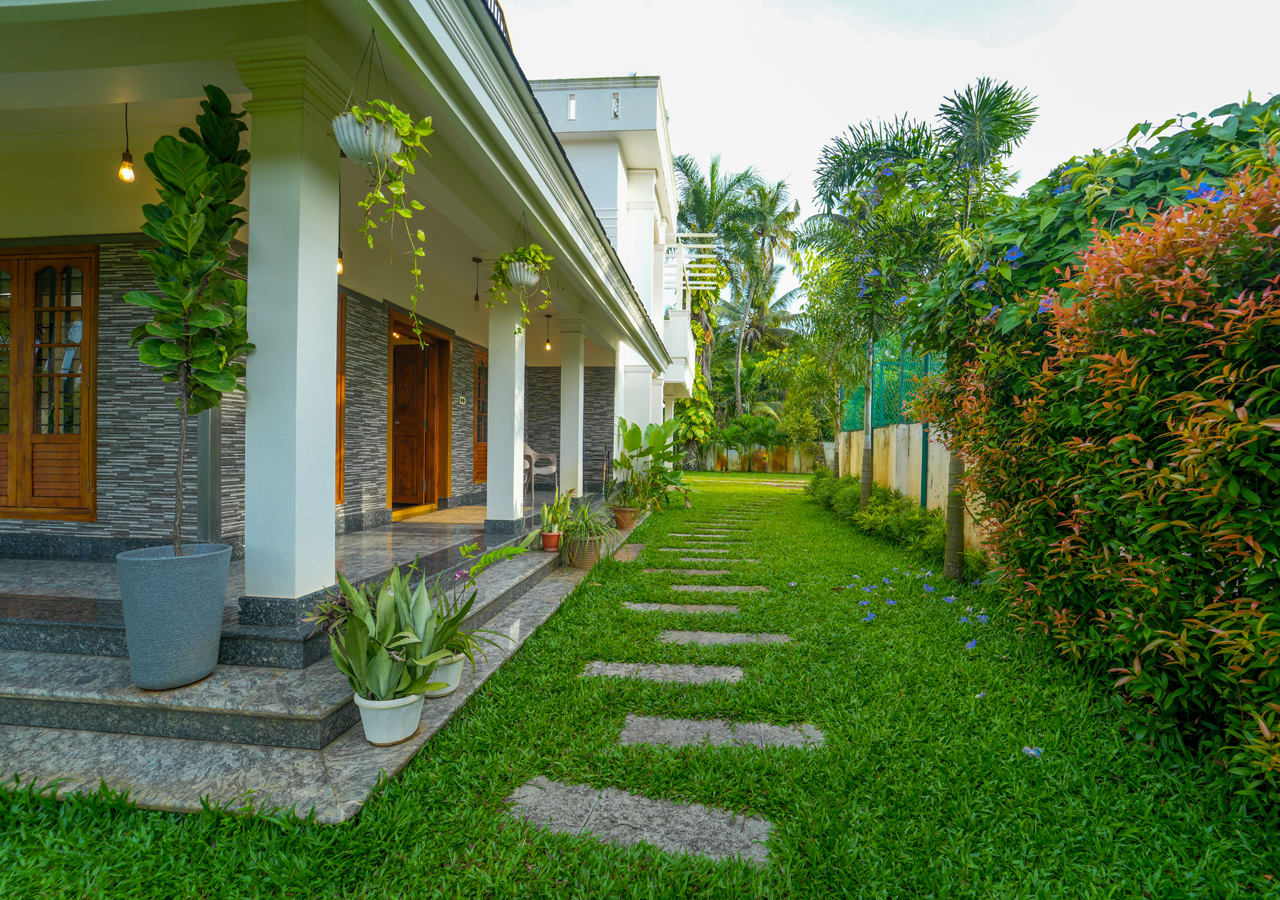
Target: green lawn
[[921, 790]]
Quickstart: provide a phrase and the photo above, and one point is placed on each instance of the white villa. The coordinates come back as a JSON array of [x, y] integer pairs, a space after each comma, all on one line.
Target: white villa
[[352, 436]]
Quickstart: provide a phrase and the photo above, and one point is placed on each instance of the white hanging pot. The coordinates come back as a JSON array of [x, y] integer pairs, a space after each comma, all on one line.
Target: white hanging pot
[[389, 721], [368, 143], [522, 276]]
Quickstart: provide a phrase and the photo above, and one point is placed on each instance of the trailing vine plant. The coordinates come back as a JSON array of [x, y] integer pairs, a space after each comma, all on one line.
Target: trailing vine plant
[[533, 256], [387, 199]]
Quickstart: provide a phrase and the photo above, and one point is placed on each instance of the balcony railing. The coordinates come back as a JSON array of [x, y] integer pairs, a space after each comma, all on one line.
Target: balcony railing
[[499, 19]]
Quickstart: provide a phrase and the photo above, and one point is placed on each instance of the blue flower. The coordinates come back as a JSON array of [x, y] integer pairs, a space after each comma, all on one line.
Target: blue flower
[[791, 584], [1014, 252], [869, 617], [928, 588], [995, 311], [971, 645], [948, 599], [983, 619], [982, 268], [859, 577], [1033, 752], [964, 618], [975, 582], [891, 602], [1045, 304], [867, 590], [864, 603], [1060, 189], [979, 695], [1205, 191], [886, 581], [900, 301], [980, 285]]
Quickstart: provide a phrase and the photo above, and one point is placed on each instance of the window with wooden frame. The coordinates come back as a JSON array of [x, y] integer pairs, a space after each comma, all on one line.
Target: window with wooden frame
[[480, 438], [340, 453], [48, 339]]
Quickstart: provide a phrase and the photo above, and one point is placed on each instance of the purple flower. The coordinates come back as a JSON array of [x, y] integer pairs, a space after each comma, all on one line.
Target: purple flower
[[869, 617], [975, 582], [928, 589], [458, 574], [1046, 304], [1033, 752], [791, 584], [971, 645]]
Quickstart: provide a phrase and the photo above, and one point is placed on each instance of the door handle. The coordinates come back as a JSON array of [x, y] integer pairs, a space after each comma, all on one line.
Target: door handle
[[397, 421]]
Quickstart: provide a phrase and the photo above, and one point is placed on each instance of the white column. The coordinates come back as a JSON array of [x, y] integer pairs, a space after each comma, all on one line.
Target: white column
[[655, 399], [637, 395], [572, 403], [293, 245], [670, 411], [505, 489]]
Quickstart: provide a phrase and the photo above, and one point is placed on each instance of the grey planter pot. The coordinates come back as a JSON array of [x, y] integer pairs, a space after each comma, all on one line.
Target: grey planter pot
[[173, 612]]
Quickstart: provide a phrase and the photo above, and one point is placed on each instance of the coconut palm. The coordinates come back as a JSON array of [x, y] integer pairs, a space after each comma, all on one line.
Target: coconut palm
[[713, 202], [755, 313]]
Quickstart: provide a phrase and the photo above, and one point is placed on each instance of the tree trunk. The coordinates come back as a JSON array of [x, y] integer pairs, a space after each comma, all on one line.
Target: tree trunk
[[953, 561], [868, 429], [737, 375], [182, 459]]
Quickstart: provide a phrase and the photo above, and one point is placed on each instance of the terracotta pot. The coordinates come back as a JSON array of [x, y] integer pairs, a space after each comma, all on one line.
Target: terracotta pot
[[624, 517], [584, 554], [550, 540]]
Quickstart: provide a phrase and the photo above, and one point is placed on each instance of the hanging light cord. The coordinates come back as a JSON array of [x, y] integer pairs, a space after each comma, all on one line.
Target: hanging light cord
[[126, 128]]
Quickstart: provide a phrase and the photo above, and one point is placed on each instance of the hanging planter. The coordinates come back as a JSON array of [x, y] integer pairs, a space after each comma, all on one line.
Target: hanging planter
[[520, 272], [370, 143]]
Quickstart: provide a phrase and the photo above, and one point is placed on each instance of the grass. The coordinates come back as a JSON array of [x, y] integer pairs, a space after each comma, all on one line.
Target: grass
[[922, 788]]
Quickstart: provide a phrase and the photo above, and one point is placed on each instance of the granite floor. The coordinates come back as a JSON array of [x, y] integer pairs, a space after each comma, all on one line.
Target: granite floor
[[88, 592]]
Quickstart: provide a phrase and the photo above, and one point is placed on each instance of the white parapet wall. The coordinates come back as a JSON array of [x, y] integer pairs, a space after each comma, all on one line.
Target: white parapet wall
[[898, 464]]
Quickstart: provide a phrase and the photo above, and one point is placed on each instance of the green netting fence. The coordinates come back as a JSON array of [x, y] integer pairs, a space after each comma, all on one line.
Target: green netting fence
[[895, 382]]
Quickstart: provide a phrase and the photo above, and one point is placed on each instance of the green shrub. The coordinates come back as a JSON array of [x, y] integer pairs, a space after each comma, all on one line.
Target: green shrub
[[823, 487], [1125, 451], [847, 498]]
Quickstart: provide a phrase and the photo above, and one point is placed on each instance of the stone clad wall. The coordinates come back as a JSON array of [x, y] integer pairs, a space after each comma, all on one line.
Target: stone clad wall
[[365, 420]]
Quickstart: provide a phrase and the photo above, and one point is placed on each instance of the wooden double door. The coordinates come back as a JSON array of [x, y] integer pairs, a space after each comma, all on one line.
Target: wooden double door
[[420, 417]]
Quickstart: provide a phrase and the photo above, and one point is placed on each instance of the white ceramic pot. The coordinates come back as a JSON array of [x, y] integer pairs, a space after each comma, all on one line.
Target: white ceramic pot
[[369, 143], [450, 672], [389, 721], [522, 276]]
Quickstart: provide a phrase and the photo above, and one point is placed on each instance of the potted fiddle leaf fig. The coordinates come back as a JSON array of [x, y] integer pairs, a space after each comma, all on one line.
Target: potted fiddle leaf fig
[[386, 141], [520, 272], [195, 339]]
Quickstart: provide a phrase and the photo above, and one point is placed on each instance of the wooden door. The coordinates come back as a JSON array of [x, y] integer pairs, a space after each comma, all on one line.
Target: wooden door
[[47, 342], [408, 424]]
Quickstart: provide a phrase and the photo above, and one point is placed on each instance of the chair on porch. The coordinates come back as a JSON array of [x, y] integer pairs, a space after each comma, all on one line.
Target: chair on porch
[[536, 464]]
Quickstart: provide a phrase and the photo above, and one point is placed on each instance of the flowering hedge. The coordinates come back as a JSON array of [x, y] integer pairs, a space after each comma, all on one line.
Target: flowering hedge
[[1126, 449]]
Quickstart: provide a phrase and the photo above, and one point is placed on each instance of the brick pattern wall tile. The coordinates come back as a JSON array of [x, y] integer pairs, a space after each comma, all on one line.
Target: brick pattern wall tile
[[137, 422], [365, 422], [598, 427], [463, 487]]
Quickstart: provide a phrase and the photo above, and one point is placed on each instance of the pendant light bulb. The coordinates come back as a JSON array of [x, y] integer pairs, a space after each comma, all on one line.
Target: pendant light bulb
[[339, 260], [548, 344], [125, 172]]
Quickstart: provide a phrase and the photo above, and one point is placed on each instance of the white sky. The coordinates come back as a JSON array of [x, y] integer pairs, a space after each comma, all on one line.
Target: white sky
[[768, 82]]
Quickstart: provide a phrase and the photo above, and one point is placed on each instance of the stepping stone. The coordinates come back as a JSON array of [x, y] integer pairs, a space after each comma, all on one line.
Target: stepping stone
[[680, 607], [686, 571], [628, 552], [667, 673], [720, 588], [717, 733], [721, 560], [688, 549], [697, 536], [617, 817], [712, 638]]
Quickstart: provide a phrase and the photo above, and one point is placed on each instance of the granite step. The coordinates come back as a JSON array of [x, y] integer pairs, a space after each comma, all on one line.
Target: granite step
[[305, 708], [269, 632]]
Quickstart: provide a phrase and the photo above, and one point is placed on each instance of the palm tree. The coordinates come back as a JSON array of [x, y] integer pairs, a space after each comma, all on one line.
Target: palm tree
[[772, 218], [713, 202], [977, 128], [755, 313]]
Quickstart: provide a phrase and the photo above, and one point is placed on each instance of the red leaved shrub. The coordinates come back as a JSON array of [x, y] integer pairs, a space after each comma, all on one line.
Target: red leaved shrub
[[1126, 450]]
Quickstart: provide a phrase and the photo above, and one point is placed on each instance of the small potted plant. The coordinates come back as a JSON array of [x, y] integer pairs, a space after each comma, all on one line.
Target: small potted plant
[[452, 608], [586, 532], [520, 272], [381, 639], [554, 515], [628, 498]]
